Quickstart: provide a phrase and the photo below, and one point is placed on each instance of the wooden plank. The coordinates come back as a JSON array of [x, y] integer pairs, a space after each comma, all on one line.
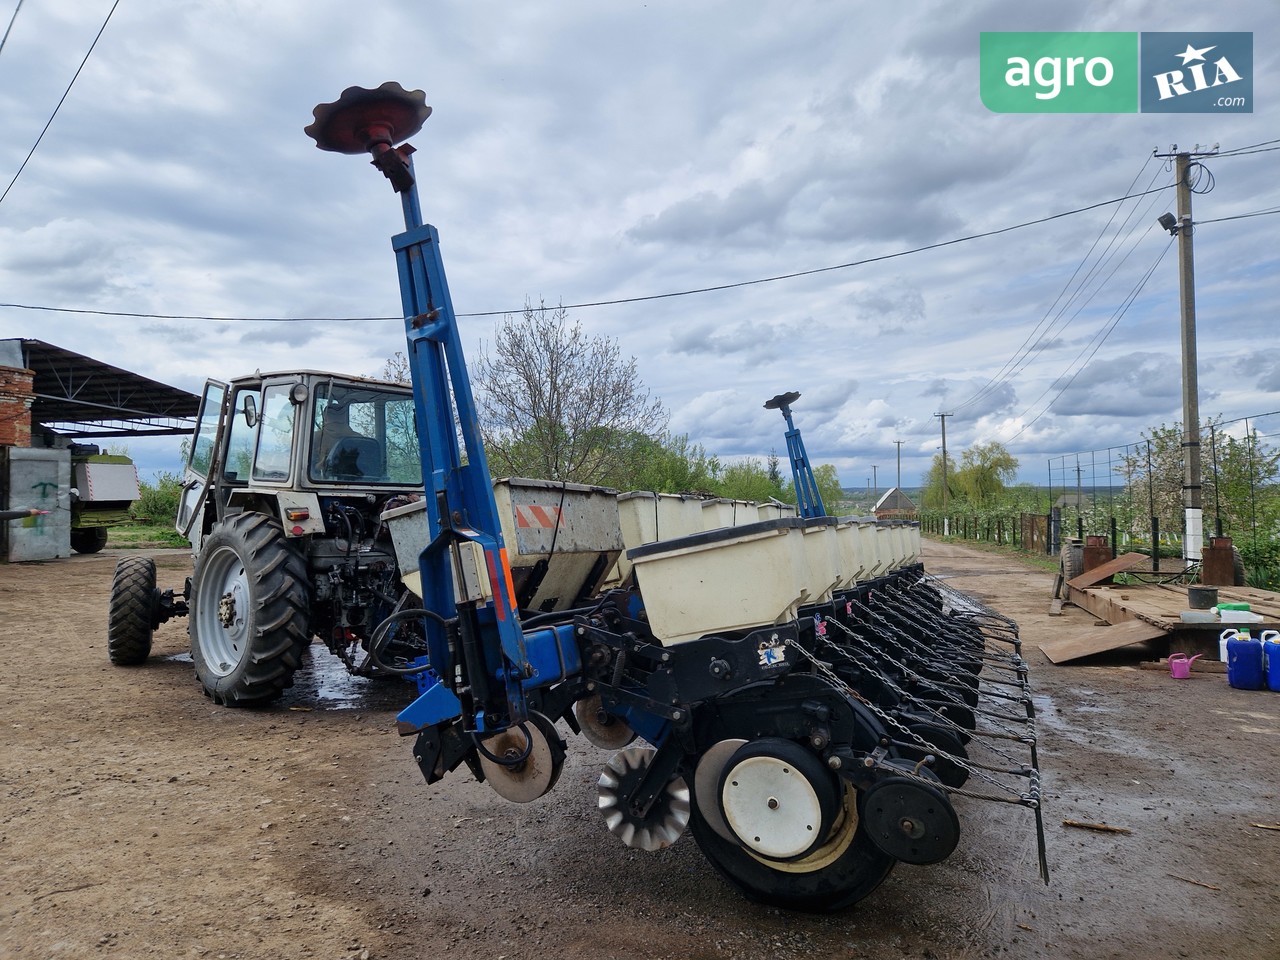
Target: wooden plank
[[1055, 607], [1110, 568], [1090, 640], [1100, 603]]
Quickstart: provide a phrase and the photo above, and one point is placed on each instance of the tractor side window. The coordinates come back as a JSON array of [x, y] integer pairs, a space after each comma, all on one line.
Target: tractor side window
[[206, 430], [404, 464], [239, 440], [275, 434]]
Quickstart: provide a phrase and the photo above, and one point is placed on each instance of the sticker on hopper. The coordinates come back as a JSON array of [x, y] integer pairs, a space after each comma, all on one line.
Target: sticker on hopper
[[773, 652]]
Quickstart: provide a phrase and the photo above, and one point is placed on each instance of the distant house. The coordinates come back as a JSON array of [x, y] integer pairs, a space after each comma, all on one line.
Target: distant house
[[895, 505]]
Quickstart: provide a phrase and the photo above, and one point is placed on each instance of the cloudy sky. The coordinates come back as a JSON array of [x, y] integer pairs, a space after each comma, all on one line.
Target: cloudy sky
[[586, 151]]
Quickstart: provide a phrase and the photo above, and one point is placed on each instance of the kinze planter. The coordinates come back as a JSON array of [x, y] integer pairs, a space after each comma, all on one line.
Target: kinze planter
[[794, 690]]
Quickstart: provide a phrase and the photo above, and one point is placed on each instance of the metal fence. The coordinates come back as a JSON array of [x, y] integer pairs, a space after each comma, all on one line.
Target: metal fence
[[1133, 493]]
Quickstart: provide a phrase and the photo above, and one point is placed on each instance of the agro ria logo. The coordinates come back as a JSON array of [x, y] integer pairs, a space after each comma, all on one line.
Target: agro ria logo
[[1174, 82], [1197, 73]]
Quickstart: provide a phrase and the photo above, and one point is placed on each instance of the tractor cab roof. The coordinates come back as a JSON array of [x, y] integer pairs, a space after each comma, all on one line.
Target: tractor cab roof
[[317, 376]]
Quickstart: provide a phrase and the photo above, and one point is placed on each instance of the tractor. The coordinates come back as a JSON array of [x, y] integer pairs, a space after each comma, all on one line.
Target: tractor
[[286, 477]]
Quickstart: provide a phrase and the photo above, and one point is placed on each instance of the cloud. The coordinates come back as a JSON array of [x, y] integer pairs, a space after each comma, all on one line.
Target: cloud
[[597, 152]]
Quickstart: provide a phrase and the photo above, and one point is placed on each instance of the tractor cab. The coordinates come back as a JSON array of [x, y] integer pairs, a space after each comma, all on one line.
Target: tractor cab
[[280, 443]]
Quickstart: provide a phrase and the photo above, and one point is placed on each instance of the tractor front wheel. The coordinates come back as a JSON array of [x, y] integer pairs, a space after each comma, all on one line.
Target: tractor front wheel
[[131, 620], [249, 619]]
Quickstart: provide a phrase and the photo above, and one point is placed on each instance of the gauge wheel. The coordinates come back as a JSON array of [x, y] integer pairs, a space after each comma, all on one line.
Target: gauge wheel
[[249, 611], [130, 623], [844, 869]]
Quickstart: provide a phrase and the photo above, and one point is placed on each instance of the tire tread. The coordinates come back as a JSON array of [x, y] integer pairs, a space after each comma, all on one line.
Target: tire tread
[[281, 613], [129, 623]]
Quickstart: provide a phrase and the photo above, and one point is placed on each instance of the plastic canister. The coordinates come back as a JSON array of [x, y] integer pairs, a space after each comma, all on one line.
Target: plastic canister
[[1271, 658], [1222, 642], [1236, 613], [1244, 662]]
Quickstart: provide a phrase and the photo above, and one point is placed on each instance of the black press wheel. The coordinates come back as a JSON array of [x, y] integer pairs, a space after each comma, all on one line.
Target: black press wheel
[[846, 868], [249, 611], [133, 600], [88, 539]]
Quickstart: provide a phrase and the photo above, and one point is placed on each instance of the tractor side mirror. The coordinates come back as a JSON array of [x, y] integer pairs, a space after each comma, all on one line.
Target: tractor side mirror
[[250, 410]]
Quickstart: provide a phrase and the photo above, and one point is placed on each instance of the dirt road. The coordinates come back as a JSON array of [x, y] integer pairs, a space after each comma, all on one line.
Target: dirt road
[[140, 820]]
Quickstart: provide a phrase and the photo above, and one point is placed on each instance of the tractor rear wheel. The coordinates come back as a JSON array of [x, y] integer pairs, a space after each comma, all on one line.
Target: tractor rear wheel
[[844, 869], [249, 620], [130, 622]]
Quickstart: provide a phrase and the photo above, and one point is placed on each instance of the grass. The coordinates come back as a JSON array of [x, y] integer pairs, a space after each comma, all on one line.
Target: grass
[[145, 536]]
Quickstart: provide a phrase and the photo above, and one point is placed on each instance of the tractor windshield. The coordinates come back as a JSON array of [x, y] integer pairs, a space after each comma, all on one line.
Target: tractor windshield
[[363, 435]]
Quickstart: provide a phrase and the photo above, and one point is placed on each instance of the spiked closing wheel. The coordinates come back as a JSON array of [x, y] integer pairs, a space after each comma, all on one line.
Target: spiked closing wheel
[[361, 118], [666, 819]]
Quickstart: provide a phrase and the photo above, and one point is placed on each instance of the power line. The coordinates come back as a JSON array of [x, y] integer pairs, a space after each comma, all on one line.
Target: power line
[[9, 28], [1096, 343], [1251, 147], [61, 100], [597, 303], [1245, 153], [838, 266], [1241, 216], [1017, 362]]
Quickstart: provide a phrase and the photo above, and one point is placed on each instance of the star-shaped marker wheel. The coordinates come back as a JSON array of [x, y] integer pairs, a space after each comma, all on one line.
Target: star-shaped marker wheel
[[1191, 53]]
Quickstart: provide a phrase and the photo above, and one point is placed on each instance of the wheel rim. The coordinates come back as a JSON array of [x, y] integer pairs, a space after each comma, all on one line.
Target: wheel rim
[[222, 623], [832, 849], [772, 807]]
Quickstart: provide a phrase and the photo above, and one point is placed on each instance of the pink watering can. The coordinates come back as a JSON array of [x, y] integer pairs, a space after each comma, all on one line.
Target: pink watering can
[[1180, 665]]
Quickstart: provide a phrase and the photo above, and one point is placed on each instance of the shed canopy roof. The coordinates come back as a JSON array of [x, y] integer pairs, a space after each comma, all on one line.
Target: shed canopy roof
[[78, 396]]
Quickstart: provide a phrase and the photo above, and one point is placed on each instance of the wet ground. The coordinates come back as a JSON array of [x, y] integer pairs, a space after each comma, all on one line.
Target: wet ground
[[141, 820]]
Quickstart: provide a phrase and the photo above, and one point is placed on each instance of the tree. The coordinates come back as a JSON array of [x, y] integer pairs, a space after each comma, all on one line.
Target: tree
[[750, 480], [985, 469], [396, 368], [828, 480], [673, 464], [557, 404], [1239, 483], [931, 497]]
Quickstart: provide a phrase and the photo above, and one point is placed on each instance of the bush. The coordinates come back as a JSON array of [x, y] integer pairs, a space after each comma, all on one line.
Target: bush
[[158, 501]]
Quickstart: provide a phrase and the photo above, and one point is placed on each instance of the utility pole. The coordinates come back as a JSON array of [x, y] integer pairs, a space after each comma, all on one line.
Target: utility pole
[[875, 481], [1183, 228], [1079, 503], [1193, 539], [946, 490], [899, 443]]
